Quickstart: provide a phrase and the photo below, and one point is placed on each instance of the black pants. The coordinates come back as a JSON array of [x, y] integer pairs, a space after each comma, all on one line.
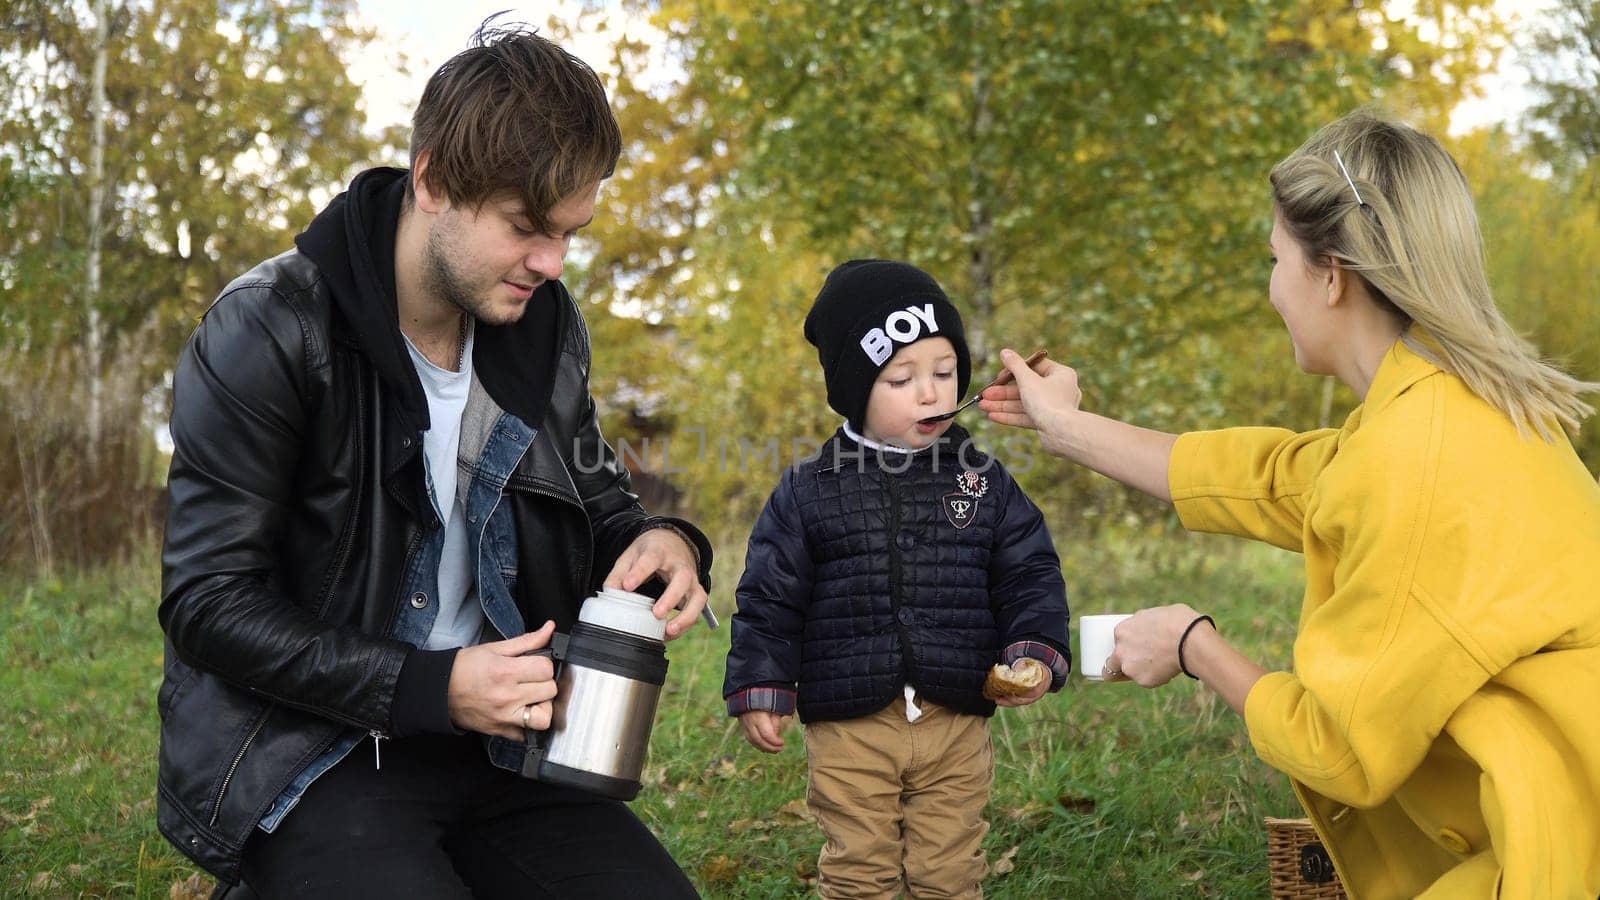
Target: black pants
[[437, 820]]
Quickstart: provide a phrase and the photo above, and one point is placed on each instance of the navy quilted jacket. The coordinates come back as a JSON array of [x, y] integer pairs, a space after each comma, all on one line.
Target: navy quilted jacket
[[867, 571]]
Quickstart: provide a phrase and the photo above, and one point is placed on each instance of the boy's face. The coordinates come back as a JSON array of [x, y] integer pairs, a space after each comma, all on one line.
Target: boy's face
[[918, 382]]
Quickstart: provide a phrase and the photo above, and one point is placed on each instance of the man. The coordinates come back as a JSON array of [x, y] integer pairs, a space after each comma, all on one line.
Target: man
[[388, 488]]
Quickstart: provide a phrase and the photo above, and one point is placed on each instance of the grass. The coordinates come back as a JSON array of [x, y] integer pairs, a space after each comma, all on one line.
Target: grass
[[1100, 790]]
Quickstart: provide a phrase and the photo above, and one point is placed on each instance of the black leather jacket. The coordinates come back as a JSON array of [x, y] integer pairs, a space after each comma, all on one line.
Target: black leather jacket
[[297, 500]]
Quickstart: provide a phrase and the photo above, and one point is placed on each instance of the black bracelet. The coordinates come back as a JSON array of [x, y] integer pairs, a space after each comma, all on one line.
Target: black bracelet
[[1197, 621]]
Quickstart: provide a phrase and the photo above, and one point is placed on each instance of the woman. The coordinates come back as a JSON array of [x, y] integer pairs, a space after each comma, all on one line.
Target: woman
[[1440, 725]]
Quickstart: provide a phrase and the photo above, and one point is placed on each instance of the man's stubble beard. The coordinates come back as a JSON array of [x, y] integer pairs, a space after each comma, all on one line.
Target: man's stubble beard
[[441, 279]]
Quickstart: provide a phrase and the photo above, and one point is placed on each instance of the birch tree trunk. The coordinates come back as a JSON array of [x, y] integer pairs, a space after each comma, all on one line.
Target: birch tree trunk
[[980, 250], [93, 349]]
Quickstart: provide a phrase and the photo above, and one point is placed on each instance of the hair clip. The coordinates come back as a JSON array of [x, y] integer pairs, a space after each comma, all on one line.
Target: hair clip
[[1347, 178]]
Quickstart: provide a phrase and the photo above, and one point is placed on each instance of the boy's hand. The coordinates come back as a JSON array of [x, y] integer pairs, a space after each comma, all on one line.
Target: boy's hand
[[1025, 699], [763, 729]]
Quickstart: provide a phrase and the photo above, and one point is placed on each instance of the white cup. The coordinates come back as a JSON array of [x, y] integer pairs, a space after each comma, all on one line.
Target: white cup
[[1096, 640]]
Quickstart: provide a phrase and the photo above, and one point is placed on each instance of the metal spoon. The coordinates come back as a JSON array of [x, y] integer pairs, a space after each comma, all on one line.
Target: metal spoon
[[1005, 378]]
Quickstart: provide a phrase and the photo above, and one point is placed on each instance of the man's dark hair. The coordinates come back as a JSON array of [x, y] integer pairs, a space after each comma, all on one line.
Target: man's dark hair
[[514, 113]]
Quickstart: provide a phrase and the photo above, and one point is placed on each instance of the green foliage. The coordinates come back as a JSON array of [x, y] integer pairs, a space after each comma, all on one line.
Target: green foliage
[[1567, 120], [1543, 243], [223, 119], [1084, 177]]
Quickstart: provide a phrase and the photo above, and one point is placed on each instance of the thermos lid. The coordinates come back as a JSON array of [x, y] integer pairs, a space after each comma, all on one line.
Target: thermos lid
[[623, 611]]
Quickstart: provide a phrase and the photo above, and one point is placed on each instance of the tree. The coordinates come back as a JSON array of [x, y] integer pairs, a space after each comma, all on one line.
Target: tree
[[1543, 244], [225, 118], [222, 119], [1566, 123], [1089, 177]]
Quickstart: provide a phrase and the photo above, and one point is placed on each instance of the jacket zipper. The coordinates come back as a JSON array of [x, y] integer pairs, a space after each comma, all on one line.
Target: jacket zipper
[[216, 806], [394, 610], [894, 577], [532, 486]]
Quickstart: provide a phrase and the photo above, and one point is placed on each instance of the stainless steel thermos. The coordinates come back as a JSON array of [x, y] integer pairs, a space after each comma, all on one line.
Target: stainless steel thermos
[[609, 673]]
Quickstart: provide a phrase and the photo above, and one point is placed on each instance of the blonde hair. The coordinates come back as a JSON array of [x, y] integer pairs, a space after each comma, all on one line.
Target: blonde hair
[[1404, 222]]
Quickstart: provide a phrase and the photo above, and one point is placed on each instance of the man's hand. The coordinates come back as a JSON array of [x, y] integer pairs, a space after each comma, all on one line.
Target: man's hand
[[661, 551], [764, 729], [496, 688]]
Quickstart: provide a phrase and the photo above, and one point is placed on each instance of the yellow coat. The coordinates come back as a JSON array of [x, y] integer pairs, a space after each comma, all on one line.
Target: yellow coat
[[1442, 723]]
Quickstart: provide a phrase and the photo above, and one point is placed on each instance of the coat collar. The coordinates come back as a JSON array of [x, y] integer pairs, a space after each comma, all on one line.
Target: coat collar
[[846, 446], [1402, 367]]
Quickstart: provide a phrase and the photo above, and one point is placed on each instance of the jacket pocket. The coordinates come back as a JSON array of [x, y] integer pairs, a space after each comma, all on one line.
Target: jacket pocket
[[256, 725], [173, 682], [206, 735]]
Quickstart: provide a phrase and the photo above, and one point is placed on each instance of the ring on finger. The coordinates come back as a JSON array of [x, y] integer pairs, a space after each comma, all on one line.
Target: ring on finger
[[527, 716]]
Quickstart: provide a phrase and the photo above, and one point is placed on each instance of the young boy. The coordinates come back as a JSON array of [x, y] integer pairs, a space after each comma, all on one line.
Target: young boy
[[884, 579]]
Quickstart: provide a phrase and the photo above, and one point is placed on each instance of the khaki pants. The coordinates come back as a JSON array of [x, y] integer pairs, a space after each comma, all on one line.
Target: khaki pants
[[901, 803]]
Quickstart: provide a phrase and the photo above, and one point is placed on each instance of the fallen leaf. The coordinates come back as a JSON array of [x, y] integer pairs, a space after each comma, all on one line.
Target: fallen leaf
[[795, 812], [195, 887], [1025, 811], [1007, 861], [720, 870], [1070, 803]]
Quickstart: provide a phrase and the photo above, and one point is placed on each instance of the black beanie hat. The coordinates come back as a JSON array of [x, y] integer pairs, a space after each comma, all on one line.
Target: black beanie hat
[[866, 311]]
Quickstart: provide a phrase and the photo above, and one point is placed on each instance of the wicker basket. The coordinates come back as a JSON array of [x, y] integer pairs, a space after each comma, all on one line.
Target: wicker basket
[[1300, 867]]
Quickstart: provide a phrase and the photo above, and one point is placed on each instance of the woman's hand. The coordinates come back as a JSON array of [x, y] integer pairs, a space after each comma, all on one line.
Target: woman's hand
[[1048, 399], [1043, 399], [1146, 650]]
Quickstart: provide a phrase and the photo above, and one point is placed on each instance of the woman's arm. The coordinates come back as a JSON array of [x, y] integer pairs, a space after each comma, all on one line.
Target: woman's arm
[[1047, 400]]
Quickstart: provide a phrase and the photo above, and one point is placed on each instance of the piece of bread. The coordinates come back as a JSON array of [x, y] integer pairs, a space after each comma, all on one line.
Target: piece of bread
[[1015, 681]]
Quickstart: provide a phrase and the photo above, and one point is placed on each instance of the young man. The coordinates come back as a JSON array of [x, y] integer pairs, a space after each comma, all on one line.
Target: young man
[[388, 488]]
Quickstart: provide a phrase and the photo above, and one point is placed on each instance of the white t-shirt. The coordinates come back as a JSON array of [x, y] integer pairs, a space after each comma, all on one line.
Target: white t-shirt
[[460, 619]]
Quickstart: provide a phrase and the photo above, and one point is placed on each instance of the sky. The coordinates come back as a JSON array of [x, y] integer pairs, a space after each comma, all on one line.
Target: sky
[[428, 32]]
